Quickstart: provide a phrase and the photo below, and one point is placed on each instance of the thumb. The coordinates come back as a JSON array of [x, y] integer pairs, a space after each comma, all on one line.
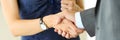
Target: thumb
[[80, 31]]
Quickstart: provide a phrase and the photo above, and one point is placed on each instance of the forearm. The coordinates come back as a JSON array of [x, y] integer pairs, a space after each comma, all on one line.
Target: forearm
[[18, 26], [25, 27]]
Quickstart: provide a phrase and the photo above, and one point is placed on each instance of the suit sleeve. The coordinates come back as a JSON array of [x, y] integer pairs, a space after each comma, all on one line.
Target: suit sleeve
[[88, 20]]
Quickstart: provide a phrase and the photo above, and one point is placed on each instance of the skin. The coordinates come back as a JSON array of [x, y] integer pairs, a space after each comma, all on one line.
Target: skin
[[25, 27], [70, 31], [69, 7], [66, 28], [63, 25]]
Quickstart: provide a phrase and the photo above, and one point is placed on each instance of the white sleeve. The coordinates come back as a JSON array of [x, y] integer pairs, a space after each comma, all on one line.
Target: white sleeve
[[78, 20]]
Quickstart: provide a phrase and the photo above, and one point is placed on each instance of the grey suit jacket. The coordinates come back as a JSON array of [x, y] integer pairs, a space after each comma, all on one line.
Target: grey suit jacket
[[108, 23], [106, 26], [88, 19]]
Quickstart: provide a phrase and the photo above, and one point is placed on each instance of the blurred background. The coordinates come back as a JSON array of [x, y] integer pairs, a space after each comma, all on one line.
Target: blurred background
[[5, 34]]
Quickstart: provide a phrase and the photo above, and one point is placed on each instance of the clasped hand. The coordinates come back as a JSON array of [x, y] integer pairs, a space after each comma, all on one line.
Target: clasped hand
[[64, 22]]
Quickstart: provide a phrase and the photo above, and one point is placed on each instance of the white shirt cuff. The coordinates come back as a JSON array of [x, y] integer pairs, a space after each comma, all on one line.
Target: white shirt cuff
[[78, 20]]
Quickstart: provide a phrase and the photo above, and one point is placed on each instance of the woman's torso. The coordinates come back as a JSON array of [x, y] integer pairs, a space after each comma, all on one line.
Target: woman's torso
[[32, 9]]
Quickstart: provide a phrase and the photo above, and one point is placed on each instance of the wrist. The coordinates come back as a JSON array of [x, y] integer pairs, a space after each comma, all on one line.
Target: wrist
[[48, 20], [42, 24], [44, 20], [52, 20]]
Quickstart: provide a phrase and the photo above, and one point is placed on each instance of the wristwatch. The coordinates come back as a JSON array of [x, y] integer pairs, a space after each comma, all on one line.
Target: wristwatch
[[42, 24]]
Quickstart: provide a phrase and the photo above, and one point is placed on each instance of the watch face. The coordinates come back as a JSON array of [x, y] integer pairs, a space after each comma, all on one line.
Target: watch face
[[43, 26]]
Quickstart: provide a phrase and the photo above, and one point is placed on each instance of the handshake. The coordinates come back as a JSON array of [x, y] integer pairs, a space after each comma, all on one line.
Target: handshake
[[64, 22]]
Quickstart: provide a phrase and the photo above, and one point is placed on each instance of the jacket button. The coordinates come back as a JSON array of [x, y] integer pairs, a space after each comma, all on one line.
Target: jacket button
[[97, 28]]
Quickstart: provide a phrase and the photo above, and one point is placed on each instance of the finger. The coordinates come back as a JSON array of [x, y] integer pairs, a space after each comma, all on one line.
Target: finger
[[67, 36], [55, 30], [80, 31], [64, 34], [59, 32], [71, 32]]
